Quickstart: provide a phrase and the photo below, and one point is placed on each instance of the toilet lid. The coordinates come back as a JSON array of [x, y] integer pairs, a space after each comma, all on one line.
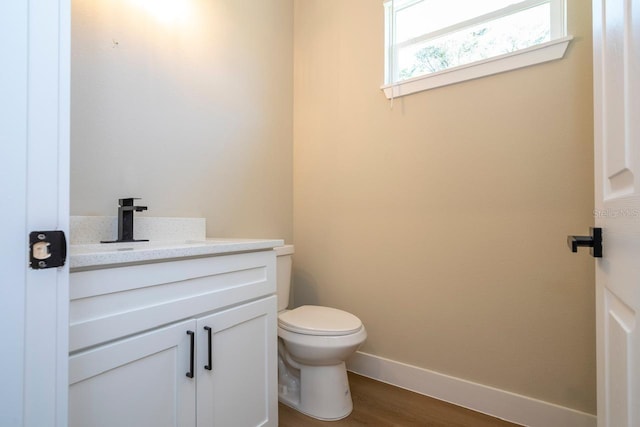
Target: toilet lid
[[316, 320]]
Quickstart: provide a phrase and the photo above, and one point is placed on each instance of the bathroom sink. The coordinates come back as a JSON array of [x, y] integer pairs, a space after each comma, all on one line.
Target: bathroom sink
[[129, 246], [88, 255]]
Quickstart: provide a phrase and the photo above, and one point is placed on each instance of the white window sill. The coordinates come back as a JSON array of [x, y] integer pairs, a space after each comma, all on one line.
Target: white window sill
[[538, 54]]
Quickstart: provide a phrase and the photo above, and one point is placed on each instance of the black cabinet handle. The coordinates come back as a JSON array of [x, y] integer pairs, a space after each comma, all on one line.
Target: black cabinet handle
[[209, 366], [192, 353], [594, 241]]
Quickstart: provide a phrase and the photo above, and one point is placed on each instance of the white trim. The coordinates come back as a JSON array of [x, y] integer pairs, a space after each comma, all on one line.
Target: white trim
[[498, 403], [34, 122], [533, 55], [558, 19], [46, 291], [13, 161]]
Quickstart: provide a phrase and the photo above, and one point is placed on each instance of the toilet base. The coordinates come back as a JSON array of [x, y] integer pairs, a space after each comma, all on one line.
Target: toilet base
[[324, 392]]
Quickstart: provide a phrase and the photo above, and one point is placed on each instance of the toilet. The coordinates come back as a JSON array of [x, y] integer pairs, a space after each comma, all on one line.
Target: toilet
[[313, 344]]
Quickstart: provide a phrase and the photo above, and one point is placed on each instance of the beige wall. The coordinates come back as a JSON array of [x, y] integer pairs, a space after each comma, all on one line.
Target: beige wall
[[188, 105], [442, 222]]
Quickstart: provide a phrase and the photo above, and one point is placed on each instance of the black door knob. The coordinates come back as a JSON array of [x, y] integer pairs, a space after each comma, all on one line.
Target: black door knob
[[594, 242]]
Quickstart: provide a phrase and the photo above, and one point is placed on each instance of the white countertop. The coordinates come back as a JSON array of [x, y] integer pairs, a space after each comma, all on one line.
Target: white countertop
[[103, 254]]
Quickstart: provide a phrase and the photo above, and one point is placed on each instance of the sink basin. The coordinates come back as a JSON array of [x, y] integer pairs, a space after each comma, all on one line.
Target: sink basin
[[100, 254], [132, 246]]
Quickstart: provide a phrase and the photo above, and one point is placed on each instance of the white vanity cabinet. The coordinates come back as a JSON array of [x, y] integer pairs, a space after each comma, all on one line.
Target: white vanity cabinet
[[138, 381], [186, 342], [240, 387]]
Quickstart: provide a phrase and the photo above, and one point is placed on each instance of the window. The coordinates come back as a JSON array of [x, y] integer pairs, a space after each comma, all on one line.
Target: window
[[431, 43]]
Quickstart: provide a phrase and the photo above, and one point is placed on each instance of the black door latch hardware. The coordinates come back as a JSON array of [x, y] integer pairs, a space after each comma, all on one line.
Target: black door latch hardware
[[594, 242], [47, 249]]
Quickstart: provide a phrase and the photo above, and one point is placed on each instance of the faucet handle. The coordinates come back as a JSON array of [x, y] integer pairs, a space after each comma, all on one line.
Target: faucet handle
[[125, 220], [127, 201]]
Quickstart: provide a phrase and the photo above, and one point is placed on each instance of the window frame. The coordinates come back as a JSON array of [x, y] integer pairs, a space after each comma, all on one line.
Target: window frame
[[543, 52]]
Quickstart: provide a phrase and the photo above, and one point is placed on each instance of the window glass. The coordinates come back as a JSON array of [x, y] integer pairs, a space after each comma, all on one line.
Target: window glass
[[493, 38], [427, 16], [428, 36]]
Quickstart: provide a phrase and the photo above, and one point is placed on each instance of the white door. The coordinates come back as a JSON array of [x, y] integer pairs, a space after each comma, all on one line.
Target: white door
[[34, 196], [240, 388], [140, 381], [616, 36]]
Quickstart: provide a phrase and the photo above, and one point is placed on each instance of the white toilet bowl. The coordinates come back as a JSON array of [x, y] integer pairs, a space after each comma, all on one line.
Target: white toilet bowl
[[314, 343]]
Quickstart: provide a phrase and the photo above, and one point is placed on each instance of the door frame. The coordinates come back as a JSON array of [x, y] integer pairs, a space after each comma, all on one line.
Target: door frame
[[34, 172]]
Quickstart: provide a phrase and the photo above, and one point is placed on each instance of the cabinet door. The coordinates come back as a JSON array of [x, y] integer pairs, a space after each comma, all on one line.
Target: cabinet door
[[240, 390], [139, 381]]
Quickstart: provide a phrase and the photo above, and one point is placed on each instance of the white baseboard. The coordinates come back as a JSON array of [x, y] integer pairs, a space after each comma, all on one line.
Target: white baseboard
[[481, 398]]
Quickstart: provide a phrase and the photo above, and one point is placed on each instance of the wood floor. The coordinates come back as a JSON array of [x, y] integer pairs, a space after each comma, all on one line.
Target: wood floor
[[381, 405]]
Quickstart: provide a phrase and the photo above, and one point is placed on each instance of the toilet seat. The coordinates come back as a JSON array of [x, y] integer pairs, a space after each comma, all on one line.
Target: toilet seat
[[317, 320]]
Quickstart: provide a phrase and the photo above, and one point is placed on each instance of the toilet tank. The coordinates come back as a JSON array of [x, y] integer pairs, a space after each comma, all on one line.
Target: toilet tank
[[283, 274]]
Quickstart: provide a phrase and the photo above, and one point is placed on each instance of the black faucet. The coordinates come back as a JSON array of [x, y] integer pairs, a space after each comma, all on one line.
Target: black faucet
[[125, 220]]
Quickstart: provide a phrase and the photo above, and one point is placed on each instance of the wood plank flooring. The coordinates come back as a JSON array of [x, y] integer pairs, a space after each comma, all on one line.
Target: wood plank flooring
[[382, 405]]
